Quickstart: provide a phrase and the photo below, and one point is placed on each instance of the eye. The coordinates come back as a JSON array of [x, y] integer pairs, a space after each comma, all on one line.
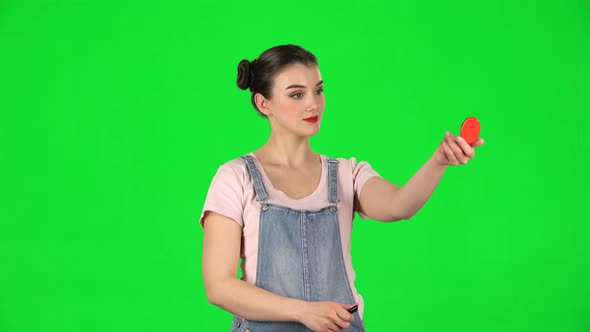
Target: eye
[[297, 95], [319, 91]]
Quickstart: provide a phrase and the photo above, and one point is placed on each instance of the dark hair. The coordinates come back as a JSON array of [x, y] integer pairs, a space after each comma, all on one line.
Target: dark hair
[[259, 74]]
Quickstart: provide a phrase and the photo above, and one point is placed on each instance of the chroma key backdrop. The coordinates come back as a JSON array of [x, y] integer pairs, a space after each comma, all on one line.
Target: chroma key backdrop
[[115, 115]]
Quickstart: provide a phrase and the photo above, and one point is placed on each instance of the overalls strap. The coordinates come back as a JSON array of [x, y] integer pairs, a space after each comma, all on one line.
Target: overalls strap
[[261, 194]]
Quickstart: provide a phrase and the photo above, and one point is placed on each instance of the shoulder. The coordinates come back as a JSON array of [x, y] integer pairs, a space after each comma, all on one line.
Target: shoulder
[[233, 170], [355, 170], [236, 165], [350, 164]]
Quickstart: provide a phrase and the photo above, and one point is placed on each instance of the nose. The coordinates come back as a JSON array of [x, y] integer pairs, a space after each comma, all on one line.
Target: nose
[[312, 105]]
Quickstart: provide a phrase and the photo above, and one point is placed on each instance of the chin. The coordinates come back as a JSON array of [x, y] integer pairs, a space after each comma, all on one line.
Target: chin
[[315, 132], [308, 133]]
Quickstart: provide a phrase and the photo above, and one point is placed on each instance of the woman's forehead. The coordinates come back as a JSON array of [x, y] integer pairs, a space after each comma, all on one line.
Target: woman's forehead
[[298, 74]]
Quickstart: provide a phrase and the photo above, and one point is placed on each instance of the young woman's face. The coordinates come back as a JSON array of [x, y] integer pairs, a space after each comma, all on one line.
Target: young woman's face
[[297, 95]]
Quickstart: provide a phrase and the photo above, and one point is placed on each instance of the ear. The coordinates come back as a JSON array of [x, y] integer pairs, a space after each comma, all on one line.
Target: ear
[[262, 103]]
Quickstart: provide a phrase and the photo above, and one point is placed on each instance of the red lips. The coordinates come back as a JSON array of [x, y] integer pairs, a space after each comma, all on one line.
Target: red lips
[[312, 119]]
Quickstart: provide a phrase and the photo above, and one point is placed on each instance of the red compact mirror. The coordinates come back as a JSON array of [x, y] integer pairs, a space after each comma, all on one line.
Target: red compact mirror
[[470, 130]]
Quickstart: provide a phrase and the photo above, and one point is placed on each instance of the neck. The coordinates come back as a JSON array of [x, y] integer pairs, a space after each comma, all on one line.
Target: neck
[[287, 151]]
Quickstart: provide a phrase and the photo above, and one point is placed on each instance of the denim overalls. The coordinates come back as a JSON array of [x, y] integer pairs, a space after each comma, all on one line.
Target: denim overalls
[[299, 255]]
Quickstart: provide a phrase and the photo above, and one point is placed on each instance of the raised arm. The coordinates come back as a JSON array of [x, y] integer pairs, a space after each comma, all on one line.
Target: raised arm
[[384, 201]]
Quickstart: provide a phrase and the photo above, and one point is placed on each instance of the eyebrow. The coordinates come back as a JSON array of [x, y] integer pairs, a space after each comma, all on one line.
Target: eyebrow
[[301, 86]]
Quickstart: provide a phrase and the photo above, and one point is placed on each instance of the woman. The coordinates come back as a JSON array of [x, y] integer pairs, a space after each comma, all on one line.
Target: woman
[[287, 210]]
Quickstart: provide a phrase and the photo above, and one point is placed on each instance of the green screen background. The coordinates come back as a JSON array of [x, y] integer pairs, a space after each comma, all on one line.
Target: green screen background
[[115, 116]]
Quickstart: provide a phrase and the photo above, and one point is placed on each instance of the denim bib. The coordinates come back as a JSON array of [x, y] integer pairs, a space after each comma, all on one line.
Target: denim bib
[[299, 255]]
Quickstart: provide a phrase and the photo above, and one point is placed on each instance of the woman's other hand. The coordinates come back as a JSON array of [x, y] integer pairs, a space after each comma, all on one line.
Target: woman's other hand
[[326, 316]]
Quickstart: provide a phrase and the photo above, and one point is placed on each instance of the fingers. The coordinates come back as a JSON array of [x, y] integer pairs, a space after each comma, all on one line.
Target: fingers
[[337, 324], [449, 153], [335, 328], [344, 313], [467, 149], [342, 320], [332, 316], [343, 317], [477, 143], [457, 150]]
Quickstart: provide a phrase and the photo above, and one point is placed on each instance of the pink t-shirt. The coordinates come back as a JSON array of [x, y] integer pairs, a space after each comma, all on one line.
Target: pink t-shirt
[[232, 194]]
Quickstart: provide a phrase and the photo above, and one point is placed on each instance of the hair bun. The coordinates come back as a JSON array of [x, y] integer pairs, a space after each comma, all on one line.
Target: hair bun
[[244, 74]]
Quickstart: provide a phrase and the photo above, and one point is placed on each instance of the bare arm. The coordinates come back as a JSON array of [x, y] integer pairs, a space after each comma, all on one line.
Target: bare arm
[[384, 201], [221, 251]]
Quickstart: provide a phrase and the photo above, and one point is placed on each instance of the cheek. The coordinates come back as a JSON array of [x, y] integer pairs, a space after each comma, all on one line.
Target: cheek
[[290, 107], [290, 111]]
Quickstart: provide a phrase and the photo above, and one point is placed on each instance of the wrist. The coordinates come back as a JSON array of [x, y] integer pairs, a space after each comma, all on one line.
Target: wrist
[[435, 164], [297, 310]]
